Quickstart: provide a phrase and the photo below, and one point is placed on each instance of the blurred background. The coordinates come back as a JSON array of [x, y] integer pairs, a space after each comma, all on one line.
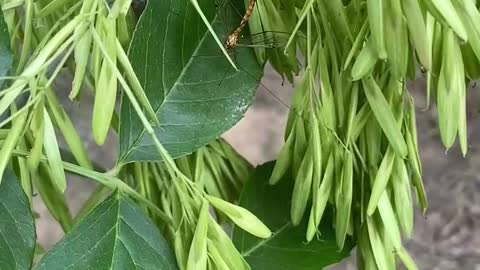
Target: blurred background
[[447, 238]]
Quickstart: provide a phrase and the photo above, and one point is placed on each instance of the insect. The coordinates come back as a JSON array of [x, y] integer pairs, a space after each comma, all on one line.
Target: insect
[[234, 89], [266, 41], [233, 38], [228, 10]]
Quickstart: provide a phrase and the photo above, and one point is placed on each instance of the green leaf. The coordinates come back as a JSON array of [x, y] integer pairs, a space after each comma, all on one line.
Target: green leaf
[[194, 90], [286, 249], [17, 227], [115, 235]]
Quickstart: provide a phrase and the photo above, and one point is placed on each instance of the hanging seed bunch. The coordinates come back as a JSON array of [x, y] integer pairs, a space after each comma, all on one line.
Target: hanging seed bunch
[[198, 240], [108, 32], [351, 139], [48, 36], [88, 36], [218, 168]]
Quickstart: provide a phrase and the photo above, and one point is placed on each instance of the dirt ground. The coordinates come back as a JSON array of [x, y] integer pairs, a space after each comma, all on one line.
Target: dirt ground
[[447, 238]]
